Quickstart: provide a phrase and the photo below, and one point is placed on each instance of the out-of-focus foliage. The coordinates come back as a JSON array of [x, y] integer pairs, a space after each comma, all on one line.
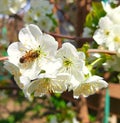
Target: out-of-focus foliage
[[94, 15]]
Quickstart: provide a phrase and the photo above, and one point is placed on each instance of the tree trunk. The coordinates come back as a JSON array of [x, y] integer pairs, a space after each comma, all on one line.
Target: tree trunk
[[83, 7]]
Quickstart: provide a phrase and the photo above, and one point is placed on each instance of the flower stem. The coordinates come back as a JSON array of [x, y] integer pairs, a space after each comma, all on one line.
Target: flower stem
[[96, 61]]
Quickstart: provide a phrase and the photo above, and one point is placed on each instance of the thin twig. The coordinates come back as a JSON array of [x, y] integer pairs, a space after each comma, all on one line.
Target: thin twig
[[101, 51], [3, 58], [9, 88], [61, 36], [89, 51], [87, 39]]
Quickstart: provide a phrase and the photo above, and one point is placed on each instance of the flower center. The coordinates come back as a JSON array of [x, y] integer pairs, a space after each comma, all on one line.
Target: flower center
[[67, 62], [43, 23], [38, 14], [117, 39], [43, 86], [106, 32]]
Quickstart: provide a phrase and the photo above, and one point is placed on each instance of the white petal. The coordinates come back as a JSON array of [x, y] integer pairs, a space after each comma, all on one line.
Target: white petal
[[81, 55], [106, 7], [41, 87], [32, 86], [105, 22], [14, 70], [90, 86], [72, 83], [26, 93], [93, 78], [35, 31], [52, 66], [38, 87], [15, 51], [99, 37], [11, 68], [78, 73], [24, 80], [67, 50], [27, 39], [48, 44], [31, 70], [59, 84]]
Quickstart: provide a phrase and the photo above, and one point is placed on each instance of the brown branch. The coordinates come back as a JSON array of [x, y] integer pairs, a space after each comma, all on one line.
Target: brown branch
[[61, 36], [9, 88], [89, 51], [101, 51], [3, 58], [87, 39]]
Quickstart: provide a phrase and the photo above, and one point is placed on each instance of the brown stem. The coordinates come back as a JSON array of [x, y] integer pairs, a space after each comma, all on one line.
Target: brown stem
[[101, 51], [89, 51], [87, 39], [61, 36], [9, 88], [3, 58]]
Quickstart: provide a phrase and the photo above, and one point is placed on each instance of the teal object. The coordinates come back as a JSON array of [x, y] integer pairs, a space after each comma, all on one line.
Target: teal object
[[4, 30], [105, 1], [107, 107]]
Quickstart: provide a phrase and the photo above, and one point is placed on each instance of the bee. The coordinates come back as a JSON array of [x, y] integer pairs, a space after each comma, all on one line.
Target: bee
[[29, 56]]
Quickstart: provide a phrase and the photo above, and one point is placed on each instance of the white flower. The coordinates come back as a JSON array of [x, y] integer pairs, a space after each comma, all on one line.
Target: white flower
[[104, 33], [113, 14], [45, 23], [114, 43], [21, 81], [107, 5], [34, 14], [34, 50], [118, 52], [86, 32], [108, 35], [16, 5], [43, 6], [11, 6], [73, 63], [46, 84], [114, 1], [89, 86], [113, 63], [69, 1], [4, 7], [41, 13], [118, 76]]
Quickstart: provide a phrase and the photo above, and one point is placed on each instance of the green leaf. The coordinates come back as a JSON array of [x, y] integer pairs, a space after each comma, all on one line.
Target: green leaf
[[98, 9], [94, 15], [11, 119]]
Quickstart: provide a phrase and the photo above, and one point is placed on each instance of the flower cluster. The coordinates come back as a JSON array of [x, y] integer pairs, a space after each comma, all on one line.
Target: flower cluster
[[40, 68], [41, 13], [11, 6], [108, 33]]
